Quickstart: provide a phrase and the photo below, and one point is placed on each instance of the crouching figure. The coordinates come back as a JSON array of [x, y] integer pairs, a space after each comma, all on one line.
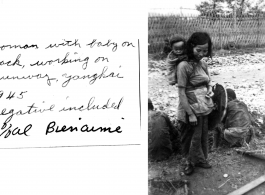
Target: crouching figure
[[236, 128], [162, 135]]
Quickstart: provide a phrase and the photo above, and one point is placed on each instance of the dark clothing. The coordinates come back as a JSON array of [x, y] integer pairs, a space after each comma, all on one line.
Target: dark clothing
[[161, 136], [237, 115], [194, 77], [237, 123], [237, 126], [194, 140], [192, 74]]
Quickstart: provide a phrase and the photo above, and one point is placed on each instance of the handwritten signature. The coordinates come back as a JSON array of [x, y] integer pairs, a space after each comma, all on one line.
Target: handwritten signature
[[53, 128]]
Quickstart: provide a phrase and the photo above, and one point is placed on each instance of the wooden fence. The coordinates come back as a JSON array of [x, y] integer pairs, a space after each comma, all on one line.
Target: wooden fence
[[247, 31]]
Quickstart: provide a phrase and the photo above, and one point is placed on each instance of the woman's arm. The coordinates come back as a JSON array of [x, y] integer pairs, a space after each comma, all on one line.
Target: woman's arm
[[184, 102], [209, 84]]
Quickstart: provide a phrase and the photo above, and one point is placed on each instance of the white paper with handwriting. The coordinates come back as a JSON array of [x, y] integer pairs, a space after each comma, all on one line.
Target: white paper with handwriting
[[70, 97]]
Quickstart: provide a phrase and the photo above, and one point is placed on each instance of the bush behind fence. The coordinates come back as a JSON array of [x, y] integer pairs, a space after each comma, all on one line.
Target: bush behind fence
[[247, 31]]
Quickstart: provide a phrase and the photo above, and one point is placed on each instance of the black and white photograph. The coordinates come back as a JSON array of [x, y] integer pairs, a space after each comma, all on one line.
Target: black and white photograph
[[206, 98]]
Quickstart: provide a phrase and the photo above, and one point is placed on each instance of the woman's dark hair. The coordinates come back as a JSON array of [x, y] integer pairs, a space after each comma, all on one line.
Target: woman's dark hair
[[231, 94], [199, 38]]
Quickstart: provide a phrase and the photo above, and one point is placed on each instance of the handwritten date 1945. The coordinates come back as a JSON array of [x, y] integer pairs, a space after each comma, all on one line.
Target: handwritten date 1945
[[12, 95], [16, 131]]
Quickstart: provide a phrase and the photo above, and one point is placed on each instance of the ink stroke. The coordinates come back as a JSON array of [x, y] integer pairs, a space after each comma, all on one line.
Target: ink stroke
[[70, 86]]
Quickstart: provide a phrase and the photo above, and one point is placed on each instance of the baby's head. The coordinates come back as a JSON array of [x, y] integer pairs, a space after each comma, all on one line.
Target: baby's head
[[178, 45]]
